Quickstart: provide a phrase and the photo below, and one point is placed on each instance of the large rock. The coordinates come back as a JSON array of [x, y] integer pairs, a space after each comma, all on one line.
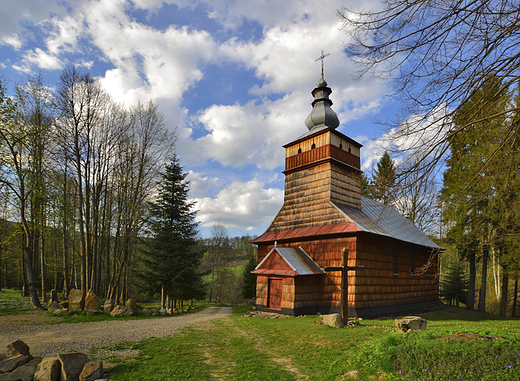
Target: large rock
[[18, 347], [91, 301], [108, 306], [71, 365], [410, 323], [24, 372], [60, 311], [54, 305], [92, 371], [76, 299], [48, 369], [11, 363], [132, 304], [332, 320], [121, 311]]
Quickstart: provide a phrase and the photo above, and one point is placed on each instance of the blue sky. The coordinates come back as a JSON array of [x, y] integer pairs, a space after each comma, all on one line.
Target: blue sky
[[234, 78]]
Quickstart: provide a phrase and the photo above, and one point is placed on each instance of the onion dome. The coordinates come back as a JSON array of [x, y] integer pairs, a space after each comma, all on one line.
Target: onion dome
[[322, 114]]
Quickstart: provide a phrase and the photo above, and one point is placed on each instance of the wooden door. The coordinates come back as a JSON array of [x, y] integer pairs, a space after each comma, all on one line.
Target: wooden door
[[275, 294]]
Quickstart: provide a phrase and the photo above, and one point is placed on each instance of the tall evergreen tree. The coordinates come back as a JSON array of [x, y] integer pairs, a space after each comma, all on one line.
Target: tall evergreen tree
[[171, 256], [248, 279], [384, 180], [470, 186]]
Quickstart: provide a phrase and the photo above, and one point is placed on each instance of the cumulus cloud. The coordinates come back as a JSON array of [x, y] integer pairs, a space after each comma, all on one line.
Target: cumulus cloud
[[419, 137], [246, 205], [142, 61]]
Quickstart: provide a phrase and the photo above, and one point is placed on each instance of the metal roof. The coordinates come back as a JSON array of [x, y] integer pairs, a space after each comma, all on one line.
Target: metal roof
[[378, 218], [373, 217], [298, 260]]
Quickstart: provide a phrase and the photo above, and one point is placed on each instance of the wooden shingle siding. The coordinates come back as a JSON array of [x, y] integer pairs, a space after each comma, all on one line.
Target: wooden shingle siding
[[376, 286]]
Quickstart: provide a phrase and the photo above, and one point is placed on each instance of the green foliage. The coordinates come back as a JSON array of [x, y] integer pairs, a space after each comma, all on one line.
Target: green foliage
[[383, 181], [454, 286], [248, 279], [171, 256], [242, 348]]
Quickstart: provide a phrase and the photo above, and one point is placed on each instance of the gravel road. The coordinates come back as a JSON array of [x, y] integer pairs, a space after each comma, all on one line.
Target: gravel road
[[46, 339]]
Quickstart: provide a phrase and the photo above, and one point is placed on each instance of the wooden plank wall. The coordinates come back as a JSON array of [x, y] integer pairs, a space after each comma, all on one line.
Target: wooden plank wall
[[321, 140], [307, 195], [377, 286]]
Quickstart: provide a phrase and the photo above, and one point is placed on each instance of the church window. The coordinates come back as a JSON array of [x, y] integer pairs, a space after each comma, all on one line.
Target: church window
[[340, 146], [313, 146], [299, 150], [349, 149]]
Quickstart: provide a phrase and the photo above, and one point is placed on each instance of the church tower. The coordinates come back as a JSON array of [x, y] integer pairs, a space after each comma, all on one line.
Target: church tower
[[326, 229], [322, 167]]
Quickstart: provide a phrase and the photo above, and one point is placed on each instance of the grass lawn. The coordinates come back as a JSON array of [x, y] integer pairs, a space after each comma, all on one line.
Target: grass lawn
[[244, 348], [458, 345]]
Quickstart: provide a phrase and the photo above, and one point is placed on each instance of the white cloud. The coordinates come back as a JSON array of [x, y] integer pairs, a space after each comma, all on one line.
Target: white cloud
[[246, 205], [200, 183], [31, 11], [418, 137], [41, 59]]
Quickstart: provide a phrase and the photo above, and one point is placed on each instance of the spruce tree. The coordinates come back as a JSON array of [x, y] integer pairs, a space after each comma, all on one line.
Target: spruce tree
[[454, 287], [383, 183], [248, 279], [172, 256]]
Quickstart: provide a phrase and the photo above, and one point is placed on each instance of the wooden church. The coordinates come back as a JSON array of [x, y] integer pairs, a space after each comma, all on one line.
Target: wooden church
[[311, 256]]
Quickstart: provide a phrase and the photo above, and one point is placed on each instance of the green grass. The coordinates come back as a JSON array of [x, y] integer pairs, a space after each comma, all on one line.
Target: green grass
[[13, 303], [243, 348]]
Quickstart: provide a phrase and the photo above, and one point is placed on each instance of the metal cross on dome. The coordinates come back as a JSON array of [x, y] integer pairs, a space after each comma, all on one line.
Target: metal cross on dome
[[322, 58]]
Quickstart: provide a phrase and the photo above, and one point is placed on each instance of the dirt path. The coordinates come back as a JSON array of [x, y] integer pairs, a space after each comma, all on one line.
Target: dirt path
[[45, 339]]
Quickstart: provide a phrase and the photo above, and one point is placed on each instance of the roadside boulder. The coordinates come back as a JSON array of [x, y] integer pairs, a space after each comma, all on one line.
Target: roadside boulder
[[92, 371], [332, 320], [76, 299], [146, 312], [11, 363], [18, 347], [410, 323], [54, 305], [121, 311], [71, 365], [108, 306], [163, 312], [132, 304], [24, 372], [48, 369], [91, 301]]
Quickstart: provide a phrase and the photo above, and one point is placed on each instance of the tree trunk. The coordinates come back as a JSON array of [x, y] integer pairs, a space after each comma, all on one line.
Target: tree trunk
[[503, 299], [483, 285], [515, 294], [42, 265], [472, 276]]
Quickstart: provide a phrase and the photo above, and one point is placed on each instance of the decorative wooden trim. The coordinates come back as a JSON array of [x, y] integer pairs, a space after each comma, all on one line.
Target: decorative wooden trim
[[323, 153]]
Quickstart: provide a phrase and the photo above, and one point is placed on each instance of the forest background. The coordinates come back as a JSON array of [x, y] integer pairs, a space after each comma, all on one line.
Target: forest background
[[78, 172]]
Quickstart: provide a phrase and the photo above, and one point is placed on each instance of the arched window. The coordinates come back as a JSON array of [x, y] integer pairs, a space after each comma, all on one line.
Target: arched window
[[299, 150], [340, 145], [313, 146]]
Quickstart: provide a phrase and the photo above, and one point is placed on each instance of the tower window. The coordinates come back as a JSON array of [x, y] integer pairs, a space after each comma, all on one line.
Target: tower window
[[340, 146], [349, 149], [299, 150], [313, 146]]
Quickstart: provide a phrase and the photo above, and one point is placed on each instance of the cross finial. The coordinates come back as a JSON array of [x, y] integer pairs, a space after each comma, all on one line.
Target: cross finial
[[322, 58]]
